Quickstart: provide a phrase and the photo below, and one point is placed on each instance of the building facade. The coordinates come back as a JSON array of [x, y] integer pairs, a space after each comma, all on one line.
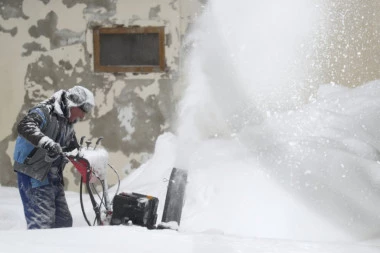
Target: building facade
[[49, 45]]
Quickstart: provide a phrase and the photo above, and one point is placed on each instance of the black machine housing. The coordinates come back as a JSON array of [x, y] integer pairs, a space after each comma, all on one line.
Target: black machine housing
[[141, 210], [136, 208]]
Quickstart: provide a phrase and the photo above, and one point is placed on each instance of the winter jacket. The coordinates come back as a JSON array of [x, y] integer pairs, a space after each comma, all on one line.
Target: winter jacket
[[46, 119]]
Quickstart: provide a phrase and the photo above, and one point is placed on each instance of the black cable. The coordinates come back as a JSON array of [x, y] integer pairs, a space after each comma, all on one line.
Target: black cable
[[102, 200], [93, 188], [81, 202], [118, 184], [94, 204]]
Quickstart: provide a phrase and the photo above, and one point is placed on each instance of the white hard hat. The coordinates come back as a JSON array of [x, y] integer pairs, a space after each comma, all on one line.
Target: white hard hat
[[79, 96]]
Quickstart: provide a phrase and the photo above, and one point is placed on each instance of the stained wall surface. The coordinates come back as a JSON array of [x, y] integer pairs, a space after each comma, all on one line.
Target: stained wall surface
[[47, 45], [347, 45]]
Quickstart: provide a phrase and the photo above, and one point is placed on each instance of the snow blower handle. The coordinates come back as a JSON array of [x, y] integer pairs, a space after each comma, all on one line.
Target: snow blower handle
[[98, 141], [81, 141], [81, 164], [83, 167]]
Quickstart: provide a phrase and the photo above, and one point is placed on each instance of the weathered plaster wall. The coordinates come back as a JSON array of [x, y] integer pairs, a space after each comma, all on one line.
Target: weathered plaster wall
[[47, 45], [348, 45]]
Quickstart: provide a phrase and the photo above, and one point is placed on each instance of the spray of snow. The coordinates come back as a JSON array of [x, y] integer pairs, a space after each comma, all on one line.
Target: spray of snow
[[243, 68], [268, 153], [97, 158]]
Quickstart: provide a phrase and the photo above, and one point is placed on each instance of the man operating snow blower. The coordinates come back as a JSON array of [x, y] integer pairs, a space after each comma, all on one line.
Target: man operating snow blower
[[44, 133]]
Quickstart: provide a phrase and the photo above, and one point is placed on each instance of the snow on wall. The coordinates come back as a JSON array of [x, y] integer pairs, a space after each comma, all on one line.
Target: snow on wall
[[47, 45]]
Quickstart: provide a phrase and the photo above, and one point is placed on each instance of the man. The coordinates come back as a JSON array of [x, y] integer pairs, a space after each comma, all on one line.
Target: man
[[44, 133]]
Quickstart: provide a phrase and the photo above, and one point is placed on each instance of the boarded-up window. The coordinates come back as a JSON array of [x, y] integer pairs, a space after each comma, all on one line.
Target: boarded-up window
[[129, 49]]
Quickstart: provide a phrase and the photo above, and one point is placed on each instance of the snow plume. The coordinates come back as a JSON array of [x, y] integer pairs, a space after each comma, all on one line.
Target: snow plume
[[245, 62], [275, 155], [326, 154]]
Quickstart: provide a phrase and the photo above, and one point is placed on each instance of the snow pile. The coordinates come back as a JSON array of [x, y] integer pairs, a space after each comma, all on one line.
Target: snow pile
[[98, 160], [305, 174]]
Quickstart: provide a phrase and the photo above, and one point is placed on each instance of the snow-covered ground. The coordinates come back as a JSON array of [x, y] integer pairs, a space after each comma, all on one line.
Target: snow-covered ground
[[303, 181], [232, 205], [274, 164]]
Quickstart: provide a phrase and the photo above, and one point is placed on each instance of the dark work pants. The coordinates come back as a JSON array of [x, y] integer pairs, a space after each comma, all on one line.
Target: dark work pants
[[44, 206]]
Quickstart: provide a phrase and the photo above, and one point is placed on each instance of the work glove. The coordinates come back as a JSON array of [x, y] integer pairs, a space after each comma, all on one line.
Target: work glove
[[53, 149]]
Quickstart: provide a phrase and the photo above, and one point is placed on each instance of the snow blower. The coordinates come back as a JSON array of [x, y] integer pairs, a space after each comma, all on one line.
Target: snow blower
[[125, 208]]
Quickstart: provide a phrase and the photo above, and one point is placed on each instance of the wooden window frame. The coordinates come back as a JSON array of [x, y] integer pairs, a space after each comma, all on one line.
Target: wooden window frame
[[129, 68]]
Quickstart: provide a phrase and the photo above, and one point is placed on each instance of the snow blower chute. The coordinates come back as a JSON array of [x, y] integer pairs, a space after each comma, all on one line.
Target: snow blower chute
[[125, 208]]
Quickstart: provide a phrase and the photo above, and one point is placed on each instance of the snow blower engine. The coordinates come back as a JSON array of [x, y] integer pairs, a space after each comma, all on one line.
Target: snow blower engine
[[125, 208]]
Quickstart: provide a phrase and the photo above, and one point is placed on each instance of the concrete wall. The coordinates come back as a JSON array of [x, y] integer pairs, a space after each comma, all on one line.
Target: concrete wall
[[46, 45], [347, 45]]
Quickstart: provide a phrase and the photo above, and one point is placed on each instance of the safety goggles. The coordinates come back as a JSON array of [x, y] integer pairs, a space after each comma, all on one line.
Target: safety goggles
[[86, 107]]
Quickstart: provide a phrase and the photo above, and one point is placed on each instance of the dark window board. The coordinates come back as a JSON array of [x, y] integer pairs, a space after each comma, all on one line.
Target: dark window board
[[129, 49]]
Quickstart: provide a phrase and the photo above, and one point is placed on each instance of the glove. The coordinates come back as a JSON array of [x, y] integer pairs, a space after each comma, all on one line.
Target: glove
[[53, 150]]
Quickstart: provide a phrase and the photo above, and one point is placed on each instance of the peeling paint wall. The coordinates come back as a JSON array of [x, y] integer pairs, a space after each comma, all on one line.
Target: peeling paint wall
[[349, 42], [47, 45]]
